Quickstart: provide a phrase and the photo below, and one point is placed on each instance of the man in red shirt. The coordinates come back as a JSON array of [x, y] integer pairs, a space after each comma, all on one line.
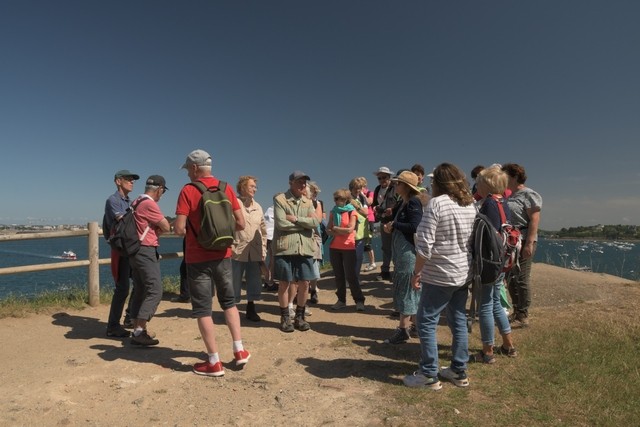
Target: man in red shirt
[[206, 268]]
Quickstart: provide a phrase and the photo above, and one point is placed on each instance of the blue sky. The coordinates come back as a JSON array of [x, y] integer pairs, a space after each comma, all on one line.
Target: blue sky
[[334, 88]]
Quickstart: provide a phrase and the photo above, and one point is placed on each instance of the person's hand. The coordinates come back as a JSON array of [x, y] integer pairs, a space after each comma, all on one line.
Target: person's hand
[[415, 280]]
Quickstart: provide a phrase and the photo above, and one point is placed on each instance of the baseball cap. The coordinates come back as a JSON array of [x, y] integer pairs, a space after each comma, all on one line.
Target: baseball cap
[[157, 180], [297, 175], [125, 172], [197, 157]]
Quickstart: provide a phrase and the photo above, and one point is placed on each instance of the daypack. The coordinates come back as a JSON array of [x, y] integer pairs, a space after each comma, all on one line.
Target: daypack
[[217, 224], [124, 233], [494, 252]]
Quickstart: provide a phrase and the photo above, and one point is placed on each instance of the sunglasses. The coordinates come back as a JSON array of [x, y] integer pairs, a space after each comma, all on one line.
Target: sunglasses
[[383, 178]]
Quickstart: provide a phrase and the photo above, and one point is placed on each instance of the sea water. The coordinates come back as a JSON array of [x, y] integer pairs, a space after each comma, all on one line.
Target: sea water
[[616, 258]]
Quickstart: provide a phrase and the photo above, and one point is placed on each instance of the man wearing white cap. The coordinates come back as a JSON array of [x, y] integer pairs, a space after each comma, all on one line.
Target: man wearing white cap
[[207, 268]]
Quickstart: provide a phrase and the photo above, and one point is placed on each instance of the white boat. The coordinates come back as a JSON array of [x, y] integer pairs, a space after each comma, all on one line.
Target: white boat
[[69, 255]]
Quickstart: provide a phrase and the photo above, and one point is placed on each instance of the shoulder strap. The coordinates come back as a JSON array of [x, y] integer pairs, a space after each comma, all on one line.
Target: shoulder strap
[[503, 217], [199, 185]]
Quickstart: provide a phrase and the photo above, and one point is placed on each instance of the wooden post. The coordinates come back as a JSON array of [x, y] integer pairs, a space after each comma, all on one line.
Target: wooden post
[[93, 278]]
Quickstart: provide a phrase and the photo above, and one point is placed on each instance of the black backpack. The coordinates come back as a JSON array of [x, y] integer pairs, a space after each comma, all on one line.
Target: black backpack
[[217, 224], [493, 253], [124, 234]]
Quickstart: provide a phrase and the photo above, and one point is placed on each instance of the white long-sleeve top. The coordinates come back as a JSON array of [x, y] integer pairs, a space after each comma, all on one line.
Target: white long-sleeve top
[[443, 239]]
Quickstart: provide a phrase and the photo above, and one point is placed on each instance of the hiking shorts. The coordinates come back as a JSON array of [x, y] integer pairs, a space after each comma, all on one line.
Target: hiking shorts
[[205, 280], [293, 268]]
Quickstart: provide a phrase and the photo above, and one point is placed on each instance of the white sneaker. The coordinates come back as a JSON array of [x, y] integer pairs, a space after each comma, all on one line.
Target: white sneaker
[[292, 312], [371, 267], [419, 380], [307, 312], [459, 379]]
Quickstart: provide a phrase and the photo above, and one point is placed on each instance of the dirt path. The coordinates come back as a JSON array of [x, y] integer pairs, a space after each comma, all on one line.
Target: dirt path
[[60, 369]]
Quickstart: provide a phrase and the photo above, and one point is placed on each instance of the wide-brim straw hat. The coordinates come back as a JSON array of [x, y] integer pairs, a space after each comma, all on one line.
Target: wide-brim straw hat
[[409, 178]]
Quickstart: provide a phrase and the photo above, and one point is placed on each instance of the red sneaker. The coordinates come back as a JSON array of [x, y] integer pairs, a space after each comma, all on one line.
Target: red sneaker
[[209, 369], [242, 357]]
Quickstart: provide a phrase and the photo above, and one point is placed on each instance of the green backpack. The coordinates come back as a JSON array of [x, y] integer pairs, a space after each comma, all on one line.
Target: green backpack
[[217, 224]]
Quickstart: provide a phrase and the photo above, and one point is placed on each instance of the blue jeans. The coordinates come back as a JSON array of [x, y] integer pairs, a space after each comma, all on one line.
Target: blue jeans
[[492, 313], [433, 301], [252, 277]]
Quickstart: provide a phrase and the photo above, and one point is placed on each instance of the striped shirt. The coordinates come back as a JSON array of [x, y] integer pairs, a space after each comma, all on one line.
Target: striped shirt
[[444, 239]]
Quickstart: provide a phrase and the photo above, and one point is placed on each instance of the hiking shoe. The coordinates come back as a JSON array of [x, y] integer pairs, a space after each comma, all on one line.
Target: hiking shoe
[[242, 357], [413, 331], [360, 306], [144, 340], [313, 298], [385, 275], [481, 357], [128, 323], [519, 320], [400, 336], [209, 369], [510, 352], [300, 324], [253, 316], [285, 324], [339, 305], [458, 379], [419, 380], [118, 332], [273, 287]]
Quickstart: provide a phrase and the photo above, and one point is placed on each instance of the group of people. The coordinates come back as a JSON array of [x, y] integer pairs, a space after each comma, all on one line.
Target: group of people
[[425, 233]]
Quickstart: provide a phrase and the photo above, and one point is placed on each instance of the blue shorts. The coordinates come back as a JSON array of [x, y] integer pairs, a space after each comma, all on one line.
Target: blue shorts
[[293, 268], [202, 277]]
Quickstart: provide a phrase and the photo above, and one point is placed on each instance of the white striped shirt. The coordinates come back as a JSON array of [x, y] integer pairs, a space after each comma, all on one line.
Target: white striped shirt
[[444, 239]]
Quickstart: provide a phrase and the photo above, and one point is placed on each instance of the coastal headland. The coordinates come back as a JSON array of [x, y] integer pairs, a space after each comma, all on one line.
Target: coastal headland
[[60, 369]]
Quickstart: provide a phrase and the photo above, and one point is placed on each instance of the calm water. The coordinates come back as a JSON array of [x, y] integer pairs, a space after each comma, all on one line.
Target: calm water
[[44, 251], [602, 257]]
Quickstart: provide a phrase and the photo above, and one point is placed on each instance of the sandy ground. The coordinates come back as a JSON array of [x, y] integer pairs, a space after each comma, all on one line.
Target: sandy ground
[[61, 369]]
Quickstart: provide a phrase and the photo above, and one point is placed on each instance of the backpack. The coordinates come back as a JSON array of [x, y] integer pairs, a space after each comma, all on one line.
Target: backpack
[[124, 234], [217, 224], [494, 252]]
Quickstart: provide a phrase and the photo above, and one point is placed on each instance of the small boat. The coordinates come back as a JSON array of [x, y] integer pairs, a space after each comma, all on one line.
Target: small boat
[[69, 255]]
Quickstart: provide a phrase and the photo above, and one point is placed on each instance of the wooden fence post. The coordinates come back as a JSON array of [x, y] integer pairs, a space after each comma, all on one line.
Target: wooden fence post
[[93, 279]]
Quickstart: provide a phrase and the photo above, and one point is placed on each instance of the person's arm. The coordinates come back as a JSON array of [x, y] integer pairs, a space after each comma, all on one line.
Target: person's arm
[[240, 224], [164, 226], [532, 232], [180, 225], [353, 218]]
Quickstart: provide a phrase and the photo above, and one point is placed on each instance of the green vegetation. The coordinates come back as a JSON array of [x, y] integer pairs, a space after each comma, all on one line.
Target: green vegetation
[[577, 368], [75, 298], [609, 232]]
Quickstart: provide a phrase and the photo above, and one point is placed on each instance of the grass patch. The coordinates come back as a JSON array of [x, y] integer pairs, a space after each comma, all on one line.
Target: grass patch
[[577, 367], [75, 298]]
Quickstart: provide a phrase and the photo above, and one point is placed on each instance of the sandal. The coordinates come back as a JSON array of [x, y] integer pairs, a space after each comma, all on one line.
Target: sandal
[[481, 357], [510, 352]]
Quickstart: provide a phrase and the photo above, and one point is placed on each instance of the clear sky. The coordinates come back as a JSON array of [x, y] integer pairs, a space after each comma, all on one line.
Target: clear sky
[[333, 88]]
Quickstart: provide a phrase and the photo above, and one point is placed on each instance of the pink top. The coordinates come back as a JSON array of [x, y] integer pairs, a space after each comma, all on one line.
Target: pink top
[[148, 215]]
